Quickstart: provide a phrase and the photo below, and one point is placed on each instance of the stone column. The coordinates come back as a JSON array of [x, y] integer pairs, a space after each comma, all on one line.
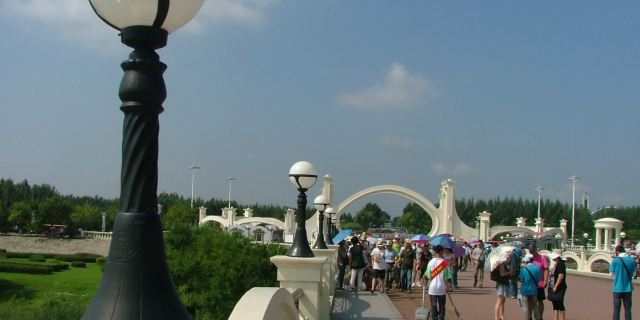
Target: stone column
[[202, 213], [617, 236], [485, 223], [607, 239], [327, 280], [306, 274], [521, 222], [563, 226], [539, 225], [598, 239]]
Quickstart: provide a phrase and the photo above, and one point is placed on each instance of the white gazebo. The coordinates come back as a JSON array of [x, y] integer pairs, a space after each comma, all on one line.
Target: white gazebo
[[606, 226]]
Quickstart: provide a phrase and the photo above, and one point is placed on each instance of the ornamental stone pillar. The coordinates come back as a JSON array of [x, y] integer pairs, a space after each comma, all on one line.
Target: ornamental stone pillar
[[306, 274], [521, 222], [202, 213], [598, 239], [327, 280], [485, 224]]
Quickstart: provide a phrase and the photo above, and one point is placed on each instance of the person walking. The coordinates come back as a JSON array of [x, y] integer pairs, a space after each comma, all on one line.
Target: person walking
[[529, 276], [515, 260], [390, 256], [501, 276], [437, 274], [452, 264], [379, 266], [478, 255], [557, 286], [407, 259], [623, 267], [357, 263], [542, 262], [343, 261]]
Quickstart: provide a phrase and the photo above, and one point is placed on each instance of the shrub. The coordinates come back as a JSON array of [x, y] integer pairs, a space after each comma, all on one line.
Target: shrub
[[24, 268], [212, 269], [78, 264], [55, 266], [86, 257], [3, 250], [37, 258], [102, 262]]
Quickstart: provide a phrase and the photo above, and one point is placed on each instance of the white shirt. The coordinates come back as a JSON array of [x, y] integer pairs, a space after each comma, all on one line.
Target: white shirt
[[378, 261], [437, 285]]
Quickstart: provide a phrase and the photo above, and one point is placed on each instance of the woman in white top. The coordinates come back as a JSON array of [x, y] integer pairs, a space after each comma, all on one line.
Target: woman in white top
[[379, 266]]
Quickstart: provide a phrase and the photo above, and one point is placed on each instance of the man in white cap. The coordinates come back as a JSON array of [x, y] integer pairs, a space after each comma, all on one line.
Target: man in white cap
[[379, 266], [530, 275]]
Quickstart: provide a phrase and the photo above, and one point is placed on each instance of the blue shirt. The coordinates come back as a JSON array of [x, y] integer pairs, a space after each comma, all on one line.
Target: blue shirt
[[621, 280], [530, 284]]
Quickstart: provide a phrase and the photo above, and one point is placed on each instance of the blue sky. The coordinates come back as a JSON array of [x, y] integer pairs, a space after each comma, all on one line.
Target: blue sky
[[500, 96]]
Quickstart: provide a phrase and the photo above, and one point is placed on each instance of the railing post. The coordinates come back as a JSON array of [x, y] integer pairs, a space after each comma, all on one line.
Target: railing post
[[327, 276], [306, 274]]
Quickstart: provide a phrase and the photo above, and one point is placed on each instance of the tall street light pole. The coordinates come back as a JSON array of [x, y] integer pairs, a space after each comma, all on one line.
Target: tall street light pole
[[193, 181], [136, 283], [573, 179], [230, 179], [320, 203], [539, 189]]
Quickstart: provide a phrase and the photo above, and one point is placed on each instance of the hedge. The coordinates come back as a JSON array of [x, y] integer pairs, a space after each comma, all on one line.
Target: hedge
[[37, 258], [55, 266], [102, 262], [21, 268], [86, 257], [78, 264]]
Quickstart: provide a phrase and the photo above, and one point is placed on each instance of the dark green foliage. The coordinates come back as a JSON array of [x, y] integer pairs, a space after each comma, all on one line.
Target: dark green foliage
[[85, 257], [212, 269], [371, 216], [24, 268], [414, 219], [37, 258], [3, 250], [56, 307], [55, 266], [102, 262], [78, 264]]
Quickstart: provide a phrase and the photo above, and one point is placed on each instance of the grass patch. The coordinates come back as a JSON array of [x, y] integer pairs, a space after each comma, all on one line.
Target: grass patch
[[61, 295]]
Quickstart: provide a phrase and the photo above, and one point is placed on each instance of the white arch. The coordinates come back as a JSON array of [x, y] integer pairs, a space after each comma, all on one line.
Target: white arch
[[396, 190], [217, 219], [242, 230], [555, 231], [598, 256], [502, 229], [271, 221], [575, 257]]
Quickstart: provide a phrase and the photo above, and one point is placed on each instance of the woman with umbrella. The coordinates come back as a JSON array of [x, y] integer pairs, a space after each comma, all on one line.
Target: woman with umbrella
[[497, 262]]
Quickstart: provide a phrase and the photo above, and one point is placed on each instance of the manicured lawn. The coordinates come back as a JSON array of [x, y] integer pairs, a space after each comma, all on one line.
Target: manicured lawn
[[61, 295]]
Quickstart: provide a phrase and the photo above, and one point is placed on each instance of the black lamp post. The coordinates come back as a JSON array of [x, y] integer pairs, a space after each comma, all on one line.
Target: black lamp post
[[303, 175], [329, 212], [136, 283], [320, 203], [586, 237]]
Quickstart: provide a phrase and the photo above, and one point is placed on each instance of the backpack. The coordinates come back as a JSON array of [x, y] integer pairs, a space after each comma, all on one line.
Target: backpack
[[495, 276], [357, 261]]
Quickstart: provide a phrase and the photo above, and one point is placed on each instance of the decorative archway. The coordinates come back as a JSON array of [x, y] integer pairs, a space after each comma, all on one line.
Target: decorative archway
[[409, 194], [575, 257], [598, 256], [217, 219], [270, 221], [511, 229]]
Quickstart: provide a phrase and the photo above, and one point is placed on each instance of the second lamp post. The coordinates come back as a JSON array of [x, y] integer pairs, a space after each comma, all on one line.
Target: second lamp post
[[320, 203]]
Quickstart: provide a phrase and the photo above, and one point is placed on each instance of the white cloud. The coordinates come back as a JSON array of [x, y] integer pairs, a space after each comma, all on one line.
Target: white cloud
[[399, 89], [72, 20], [393, 141], [240, 12], [457, 169], [75, 21]]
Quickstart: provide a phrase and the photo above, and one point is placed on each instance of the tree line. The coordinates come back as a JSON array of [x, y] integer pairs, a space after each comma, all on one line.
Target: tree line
[[27, 207]]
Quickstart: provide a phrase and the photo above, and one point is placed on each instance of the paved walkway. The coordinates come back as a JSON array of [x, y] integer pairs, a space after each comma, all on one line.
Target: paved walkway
[[587, 299], [363, 305]]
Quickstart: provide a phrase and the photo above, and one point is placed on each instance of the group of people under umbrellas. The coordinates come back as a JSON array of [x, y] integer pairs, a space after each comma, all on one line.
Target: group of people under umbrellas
[[519, 272]]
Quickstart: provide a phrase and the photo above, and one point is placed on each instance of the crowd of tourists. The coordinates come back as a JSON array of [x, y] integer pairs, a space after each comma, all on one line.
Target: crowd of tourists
[[525, 275]]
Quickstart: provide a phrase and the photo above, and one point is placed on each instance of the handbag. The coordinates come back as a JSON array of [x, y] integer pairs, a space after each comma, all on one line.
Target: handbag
[[551, 295]]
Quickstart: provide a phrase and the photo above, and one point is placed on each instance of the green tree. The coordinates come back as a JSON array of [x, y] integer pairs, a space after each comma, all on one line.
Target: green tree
[[414, 219], [372, 216], [21, 214], [180, 213], [212, 269], [87, 217]]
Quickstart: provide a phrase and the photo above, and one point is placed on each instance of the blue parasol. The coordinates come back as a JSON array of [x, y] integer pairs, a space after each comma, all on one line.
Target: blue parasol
[[341, 235], [442, 240]]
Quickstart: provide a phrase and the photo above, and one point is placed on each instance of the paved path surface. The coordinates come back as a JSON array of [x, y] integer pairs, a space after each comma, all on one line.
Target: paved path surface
[[587, 299], [363, 305]]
